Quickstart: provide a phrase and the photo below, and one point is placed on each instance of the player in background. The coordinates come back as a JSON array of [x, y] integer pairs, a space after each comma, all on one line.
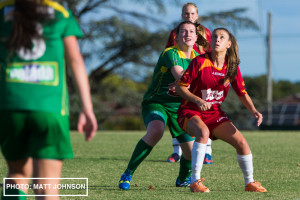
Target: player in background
[[159, 106], [209, 76], [37, 38], [190, 13]]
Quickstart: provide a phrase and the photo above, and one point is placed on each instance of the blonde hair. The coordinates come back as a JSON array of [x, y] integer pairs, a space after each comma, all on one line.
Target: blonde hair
[[200, 29], [189, 4], [232, 56]]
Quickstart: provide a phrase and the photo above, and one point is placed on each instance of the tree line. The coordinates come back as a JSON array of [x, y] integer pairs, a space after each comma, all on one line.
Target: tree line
[[122, 47]]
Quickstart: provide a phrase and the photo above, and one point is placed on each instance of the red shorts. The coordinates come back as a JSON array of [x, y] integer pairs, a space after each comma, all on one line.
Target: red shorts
[[212, 119]]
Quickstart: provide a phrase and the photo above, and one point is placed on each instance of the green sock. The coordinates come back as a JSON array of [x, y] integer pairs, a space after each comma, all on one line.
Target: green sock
[[185, 170], [141, 151], [13, 191]]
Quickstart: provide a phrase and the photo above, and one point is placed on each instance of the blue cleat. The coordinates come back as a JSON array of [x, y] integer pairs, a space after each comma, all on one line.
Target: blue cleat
[[207, 159], [185, 183], [173, 158], [124, 182]]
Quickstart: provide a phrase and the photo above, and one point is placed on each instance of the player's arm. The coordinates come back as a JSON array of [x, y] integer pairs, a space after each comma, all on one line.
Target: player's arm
[[247, 102], [177, 72], [185, 93], [87, 121]]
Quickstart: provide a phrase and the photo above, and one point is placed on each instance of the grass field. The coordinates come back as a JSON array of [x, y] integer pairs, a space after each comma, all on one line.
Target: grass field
[[276, 165]]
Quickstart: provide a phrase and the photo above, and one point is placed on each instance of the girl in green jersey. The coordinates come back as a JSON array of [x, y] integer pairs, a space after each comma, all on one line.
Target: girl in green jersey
[[37, 38], [159, 106]]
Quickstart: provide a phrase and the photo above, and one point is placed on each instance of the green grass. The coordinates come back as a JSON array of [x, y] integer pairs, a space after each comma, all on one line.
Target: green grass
[[276, 158]]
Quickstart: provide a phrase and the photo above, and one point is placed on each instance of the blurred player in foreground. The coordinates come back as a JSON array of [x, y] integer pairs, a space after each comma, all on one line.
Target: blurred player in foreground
[[35, 36]]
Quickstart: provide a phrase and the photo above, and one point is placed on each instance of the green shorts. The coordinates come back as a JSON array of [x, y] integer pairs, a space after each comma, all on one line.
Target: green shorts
[[155, 111], [41, 135]]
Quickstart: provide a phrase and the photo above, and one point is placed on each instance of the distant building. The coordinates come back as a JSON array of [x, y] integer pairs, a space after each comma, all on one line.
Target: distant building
[[285, 114]]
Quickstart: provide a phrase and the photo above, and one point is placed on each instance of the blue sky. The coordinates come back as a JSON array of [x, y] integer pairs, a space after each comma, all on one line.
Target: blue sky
[[252, 45]]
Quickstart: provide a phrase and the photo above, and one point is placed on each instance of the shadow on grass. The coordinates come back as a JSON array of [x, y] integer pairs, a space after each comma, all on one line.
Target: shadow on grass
[[138, 188], [114, 159]]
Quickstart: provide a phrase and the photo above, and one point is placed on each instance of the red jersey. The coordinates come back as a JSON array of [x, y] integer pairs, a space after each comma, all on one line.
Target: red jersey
[[198, 49], [207, 82]]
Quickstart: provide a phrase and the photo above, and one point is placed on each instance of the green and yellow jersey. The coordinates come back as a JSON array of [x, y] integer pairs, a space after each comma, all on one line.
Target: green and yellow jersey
[[36, 80], [158, 91]]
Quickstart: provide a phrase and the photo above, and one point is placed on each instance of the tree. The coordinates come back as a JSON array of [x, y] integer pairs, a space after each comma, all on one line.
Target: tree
[[125, 38]]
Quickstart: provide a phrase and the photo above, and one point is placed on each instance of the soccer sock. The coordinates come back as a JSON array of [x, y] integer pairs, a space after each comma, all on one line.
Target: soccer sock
[[246, 165], [208, 147], [185, 169], [198, 154], [13, 192], [141, 151], [176, 147]]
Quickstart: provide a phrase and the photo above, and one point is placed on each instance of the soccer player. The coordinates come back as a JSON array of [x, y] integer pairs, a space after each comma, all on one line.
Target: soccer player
[[160, 104], [208, 78], [190, 13], [34, 109]]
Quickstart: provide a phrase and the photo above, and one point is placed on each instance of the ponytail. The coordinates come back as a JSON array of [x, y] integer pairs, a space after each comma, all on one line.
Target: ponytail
[[27, 14], [202, 41]]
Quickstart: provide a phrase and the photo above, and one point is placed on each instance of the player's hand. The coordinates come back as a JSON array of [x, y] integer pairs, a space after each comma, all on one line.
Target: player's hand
[[203, 105], [258, 116], [172, 86], [87, 123]]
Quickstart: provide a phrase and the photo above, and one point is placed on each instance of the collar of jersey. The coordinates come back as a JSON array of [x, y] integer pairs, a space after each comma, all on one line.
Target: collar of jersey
[[182, 55]]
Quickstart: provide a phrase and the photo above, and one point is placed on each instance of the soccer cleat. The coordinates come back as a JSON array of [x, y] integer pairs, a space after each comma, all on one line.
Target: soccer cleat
[[173, 158], [124, 182], [185, 183], [207, 159], [255, 187], [198, 187]]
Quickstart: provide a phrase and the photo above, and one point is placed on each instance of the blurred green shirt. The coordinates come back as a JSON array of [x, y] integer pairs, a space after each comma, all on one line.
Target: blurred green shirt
[[36, 80]]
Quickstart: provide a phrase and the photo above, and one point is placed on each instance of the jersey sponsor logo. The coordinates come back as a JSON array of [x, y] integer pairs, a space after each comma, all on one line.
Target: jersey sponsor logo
[[42, 73], [211, 94], [218, 74]]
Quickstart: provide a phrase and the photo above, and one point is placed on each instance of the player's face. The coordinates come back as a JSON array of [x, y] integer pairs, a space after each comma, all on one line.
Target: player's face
[[187, 35], [220, 41], [190, 14]]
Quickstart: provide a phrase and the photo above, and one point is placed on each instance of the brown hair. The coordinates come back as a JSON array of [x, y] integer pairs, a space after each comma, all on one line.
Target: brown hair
[[232, 56], [200, 38], [27, 14]]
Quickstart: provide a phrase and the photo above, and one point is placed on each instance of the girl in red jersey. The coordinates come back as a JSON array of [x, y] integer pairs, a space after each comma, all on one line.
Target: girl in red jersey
[[190, 13], [209, 76]]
